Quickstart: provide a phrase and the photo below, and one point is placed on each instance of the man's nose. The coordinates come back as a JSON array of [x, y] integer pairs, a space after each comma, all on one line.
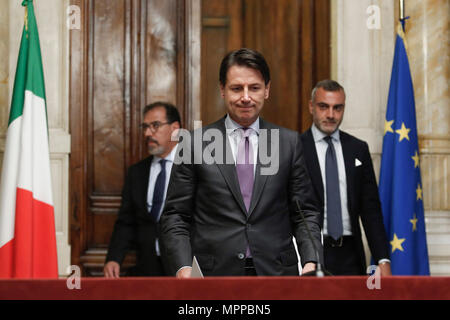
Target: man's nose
[[245, 96], [148, 132], [330, 113]]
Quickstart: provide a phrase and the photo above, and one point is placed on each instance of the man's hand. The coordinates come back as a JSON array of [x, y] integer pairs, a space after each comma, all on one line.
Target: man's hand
[[385, 269], [112, 270], [310, 266], [184, 273]]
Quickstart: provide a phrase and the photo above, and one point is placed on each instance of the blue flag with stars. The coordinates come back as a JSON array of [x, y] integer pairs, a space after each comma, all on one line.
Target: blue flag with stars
[[400, 184]]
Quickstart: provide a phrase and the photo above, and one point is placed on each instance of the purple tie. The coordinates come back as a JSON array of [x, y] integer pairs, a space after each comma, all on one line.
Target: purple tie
[[244, 169], [244, 166]]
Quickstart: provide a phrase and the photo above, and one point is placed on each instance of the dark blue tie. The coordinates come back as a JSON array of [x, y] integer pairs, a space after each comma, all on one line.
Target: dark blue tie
[[334, 215], [158, 193]]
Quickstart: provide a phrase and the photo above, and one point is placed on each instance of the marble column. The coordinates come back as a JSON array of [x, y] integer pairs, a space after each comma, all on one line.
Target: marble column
[[362, 54], [4, 66]]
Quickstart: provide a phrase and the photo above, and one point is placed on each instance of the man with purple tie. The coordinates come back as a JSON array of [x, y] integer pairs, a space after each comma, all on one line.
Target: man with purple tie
[[236, 217]]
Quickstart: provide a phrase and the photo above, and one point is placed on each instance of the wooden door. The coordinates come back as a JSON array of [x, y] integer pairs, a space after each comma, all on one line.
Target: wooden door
[[128, 53], [294, 37]]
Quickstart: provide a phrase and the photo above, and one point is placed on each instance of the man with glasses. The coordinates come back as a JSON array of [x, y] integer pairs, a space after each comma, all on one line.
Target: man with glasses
[[143, 196]]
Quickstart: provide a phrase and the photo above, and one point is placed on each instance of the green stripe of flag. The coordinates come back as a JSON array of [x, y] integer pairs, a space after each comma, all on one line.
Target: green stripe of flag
[[29, 73]]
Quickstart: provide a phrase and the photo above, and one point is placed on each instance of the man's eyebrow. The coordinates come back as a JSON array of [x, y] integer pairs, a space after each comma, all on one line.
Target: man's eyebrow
[[324, 104], [241, 85]]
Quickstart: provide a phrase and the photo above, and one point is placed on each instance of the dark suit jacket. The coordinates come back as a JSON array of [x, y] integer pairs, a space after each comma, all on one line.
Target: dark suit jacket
[[205, 213], [362, 193], [134, 229]]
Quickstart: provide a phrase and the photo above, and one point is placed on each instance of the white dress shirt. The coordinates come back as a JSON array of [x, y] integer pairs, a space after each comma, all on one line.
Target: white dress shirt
[[321, 148], [155, 169], [234, 137]]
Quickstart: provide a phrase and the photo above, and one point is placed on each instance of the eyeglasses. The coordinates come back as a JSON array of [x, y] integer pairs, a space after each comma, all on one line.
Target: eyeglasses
[[153, 126]]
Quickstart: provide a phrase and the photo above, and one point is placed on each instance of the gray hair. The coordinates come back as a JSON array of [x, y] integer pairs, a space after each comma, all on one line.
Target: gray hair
[[327, 85]]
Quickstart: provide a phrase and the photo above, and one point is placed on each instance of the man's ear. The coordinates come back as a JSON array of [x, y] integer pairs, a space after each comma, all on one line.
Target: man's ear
[[310, 107], [175, 125], [267, 90], [175, 131], [222, 90]]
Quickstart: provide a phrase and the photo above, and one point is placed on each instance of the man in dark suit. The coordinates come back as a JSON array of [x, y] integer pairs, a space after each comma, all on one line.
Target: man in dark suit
[[143, 196], [238, 216], [342, 174]]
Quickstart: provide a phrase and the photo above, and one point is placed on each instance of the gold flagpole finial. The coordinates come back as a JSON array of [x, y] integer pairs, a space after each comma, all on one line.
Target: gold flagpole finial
[[25, 4], [26, 18]]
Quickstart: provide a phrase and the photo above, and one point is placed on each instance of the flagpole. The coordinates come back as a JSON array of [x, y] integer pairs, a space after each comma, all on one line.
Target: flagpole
[[402, 13], [402, 9]]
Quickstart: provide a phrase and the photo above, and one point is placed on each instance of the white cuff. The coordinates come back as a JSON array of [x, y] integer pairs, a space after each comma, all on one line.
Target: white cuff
[[381, 261]]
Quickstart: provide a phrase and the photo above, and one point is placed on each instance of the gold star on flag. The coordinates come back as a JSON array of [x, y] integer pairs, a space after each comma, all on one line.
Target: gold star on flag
[[414, 222], [403, 132], [396, 243], [388, 126], [416, 160], [419, 192]]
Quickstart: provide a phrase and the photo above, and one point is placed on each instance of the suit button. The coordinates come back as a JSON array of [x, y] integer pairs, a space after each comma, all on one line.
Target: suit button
[[241, 256]]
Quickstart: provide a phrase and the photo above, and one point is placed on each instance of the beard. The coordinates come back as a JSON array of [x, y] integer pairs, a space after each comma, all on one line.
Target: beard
[[332, 126], [154, 150]]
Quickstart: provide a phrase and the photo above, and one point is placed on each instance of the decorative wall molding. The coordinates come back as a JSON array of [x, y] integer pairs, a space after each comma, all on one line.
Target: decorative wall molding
[[438, 240], [59, 163]]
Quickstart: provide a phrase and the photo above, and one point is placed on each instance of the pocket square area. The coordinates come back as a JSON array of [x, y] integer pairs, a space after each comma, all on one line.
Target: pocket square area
[[357, 162]]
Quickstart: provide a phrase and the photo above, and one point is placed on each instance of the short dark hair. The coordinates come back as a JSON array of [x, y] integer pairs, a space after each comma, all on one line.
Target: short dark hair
[[246, 58], [172, 113], [327, 85]]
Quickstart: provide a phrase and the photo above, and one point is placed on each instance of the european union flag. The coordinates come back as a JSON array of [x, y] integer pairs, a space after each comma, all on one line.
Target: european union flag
[[400, 184]]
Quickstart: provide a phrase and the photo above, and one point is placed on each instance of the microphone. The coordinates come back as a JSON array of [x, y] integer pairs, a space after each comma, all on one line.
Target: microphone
[[319, 272]]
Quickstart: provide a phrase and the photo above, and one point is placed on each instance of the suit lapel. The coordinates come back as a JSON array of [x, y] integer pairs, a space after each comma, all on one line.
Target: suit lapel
[[143, 186], [228, 171], [313, 164], [260, 180], [349, 161]]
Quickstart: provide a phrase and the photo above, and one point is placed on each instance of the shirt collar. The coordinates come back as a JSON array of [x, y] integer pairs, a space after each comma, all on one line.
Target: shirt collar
[[319, 135], [170, 157], [231, 125]]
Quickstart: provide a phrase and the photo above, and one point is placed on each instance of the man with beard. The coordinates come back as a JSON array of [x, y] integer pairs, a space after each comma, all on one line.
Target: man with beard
[[343, 178], [143, 196]]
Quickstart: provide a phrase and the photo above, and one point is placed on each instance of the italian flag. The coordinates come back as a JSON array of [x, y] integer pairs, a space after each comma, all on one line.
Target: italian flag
[[27, 225]]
